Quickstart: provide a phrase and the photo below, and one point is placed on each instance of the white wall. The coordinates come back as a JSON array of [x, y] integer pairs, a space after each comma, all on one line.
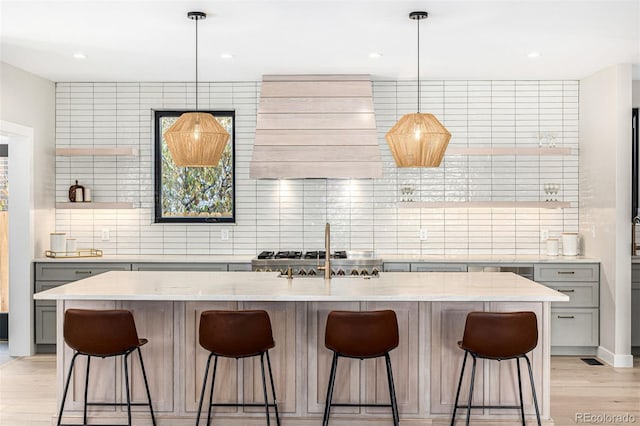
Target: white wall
[[29, 100], [290, 214], [27, 119], [636, 94], [605, 202]]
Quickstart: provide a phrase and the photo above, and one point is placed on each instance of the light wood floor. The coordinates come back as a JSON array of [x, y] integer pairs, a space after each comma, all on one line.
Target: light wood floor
[[27, 390]]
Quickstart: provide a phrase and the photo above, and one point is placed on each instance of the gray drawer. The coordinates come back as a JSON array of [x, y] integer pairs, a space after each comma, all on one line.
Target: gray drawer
[[438, 267], [581, 295], [45, 326], [396, 267], [239, 267], [567, 272], [179, 267], [74, 271], [574, 327], [635, 276]]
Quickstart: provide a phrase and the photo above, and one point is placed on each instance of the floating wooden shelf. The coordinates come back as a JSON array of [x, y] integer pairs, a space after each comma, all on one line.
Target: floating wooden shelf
[[485, 204], [95, 205], [507, 151], [80, 152]]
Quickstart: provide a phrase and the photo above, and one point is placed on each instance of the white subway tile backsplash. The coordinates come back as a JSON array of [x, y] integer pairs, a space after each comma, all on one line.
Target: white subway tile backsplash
[[363, 213]]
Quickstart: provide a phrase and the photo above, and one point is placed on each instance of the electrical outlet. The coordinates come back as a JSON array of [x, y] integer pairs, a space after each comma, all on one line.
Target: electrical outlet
[[544, 234], [105, 234], [224, 234], [423, 234]]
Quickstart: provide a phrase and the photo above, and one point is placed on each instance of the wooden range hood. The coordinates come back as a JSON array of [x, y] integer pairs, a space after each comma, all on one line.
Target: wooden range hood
[[316, 126]]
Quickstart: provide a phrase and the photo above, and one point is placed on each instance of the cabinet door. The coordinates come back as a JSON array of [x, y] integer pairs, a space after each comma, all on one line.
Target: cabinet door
[[404, 362], [447, 326], [347, 384], [283, 359], [574, 327], [195, 360], [635, 316], [45, 326], [239, 267], [154, 322]]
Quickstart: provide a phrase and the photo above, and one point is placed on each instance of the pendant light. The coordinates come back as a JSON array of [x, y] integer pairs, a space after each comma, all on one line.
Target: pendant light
[[418, 140], [196, 139]]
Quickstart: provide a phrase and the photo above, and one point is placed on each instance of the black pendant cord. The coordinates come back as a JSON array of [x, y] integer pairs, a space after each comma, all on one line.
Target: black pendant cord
[[196, 64], [418, 20]]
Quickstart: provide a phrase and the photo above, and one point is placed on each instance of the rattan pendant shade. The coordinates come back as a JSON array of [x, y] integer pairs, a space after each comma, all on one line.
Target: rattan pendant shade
[[196, 139], [419, 139]]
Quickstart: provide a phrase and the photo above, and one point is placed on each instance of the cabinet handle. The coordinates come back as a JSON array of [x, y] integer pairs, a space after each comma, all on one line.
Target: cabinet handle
[[566, 272], [569, 290], [83, 272], [566, 316]]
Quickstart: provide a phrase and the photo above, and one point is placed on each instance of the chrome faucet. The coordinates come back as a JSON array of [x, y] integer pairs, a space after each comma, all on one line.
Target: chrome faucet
[[327, 252]]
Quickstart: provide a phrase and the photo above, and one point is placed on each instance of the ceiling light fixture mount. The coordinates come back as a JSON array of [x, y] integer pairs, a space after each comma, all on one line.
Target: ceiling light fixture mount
[[419, 139], [196, 139]]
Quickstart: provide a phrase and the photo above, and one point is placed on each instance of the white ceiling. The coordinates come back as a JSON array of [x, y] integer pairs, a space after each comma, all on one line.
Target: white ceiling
[[154, 41]]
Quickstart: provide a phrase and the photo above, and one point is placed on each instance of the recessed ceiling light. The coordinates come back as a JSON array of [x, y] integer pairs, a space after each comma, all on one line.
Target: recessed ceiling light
[[226, 56], [375, 55], [534, 54], [79, 55]]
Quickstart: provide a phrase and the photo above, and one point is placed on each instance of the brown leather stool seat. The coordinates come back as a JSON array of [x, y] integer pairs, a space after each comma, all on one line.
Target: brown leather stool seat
[[498, 336], [236, 334], [103, 333], [361, 335]]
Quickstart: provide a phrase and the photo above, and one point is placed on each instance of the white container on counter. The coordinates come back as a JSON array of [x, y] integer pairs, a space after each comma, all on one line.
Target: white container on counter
[[57, 241], [569, 244], [553, 246], [71, 245]]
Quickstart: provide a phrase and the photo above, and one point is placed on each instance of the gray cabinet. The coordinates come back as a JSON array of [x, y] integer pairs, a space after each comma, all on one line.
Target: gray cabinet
[[574, 324], [438, 267], [635, 308], [396, 267], [50, 275], [179, 267]]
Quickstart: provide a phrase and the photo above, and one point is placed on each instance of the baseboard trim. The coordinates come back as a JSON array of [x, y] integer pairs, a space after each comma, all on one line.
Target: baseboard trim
[[615, 360]]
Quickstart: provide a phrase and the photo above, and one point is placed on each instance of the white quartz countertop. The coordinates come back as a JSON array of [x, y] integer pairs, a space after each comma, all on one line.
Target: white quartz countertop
[[246, 258], [267, 286]]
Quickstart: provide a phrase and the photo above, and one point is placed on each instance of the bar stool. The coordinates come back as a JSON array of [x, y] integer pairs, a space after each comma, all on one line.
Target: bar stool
[[361, 335], [237, 334], [498, 336], [103, 334]]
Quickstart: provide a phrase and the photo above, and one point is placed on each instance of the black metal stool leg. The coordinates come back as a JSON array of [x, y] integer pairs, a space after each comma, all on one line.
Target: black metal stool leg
[[533, 390], [264, 389], [455, 406], [273, 390], [204, 385], [146, 385], [86, 391], [126, 382], [66, 387], [213, 383], [473, 376], [332, 379], [520, 391], [392, 391]]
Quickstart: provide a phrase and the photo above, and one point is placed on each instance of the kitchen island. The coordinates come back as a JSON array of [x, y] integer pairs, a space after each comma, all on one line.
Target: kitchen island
[[431, 309]]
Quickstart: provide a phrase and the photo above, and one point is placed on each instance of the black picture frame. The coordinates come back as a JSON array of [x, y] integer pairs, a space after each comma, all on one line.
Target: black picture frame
[[157, 165]]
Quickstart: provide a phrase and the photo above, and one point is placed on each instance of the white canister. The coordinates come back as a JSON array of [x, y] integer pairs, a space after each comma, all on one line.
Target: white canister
[[57, 241], [87, 194], [71, 245], [553, 246], [569, 244]]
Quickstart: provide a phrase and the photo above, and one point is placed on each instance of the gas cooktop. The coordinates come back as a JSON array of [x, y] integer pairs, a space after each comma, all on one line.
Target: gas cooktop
[[293, 254]]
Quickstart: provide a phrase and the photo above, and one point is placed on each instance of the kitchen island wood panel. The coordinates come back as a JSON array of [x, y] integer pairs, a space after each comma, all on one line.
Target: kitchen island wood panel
[[431, 308]]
